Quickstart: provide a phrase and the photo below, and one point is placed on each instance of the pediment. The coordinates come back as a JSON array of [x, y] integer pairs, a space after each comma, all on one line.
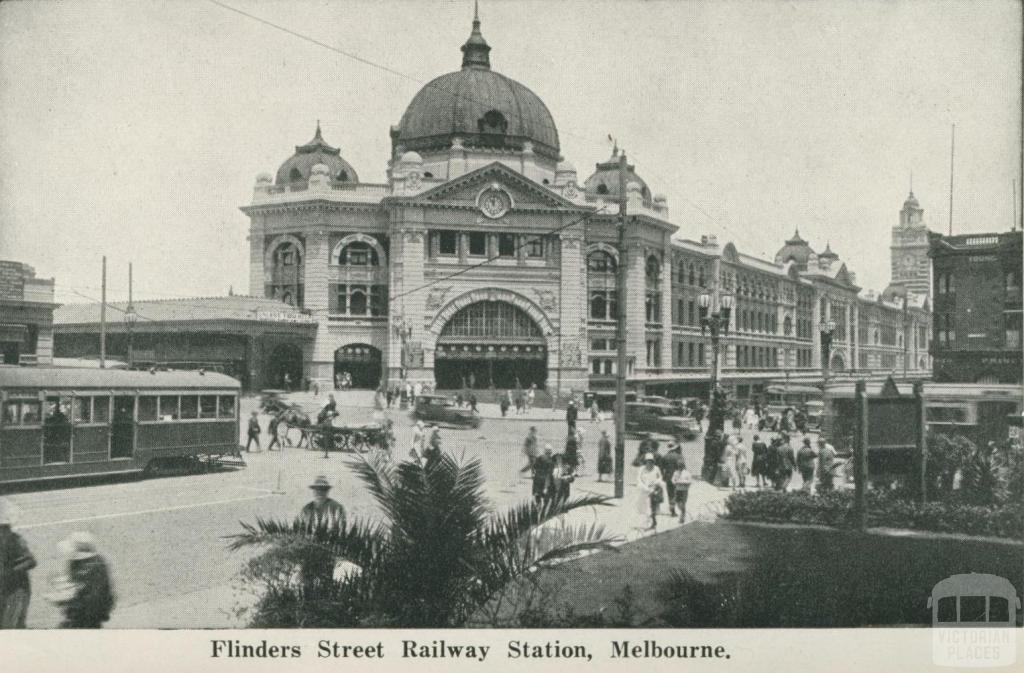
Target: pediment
[[466, 190]]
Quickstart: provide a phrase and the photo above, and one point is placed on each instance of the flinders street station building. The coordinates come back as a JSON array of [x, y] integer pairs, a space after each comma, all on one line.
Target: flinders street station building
[[488, 259]]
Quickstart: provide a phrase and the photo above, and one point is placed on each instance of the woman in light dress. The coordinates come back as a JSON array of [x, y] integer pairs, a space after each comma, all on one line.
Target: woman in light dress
[[651, 488]]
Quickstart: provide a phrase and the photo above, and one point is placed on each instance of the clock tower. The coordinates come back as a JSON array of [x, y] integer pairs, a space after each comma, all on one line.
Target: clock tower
[[910, 265]]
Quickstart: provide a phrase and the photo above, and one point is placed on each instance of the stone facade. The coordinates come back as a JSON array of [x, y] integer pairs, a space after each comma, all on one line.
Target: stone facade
[[483, 246]]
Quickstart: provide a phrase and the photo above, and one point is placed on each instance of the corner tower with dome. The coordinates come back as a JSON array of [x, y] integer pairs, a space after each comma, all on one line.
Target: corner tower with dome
[[485, 261]]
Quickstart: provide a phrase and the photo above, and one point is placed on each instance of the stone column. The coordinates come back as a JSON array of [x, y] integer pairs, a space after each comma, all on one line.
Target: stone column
[[257, 287], [572, 314], [636, 295], [816, 319], [666, 306], [320, 366]]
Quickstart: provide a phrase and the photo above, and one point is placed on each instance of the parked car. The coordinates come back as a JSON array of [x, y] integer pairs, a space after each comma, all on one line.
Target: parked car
[[677, 405], [441, 409], [647, 418]]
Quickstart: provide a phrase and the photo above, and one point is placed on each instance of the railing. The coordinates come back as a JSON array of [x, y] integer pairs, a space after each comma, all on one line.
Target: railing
[[28, 359]]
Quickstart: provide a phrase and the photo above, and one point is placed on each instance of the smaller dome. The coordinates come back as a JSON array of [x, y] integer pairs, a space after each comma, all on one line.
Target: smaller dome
[[797, 250], [828, 254], [412, 158], [605, 180], [911, 202], [299, 167]]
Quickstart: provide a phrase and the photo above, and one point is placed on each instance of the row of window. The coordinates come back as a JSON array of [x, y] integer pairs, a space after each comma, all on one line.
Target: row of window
[[757, 357], [689, 354], [97, 409], [482, 244], [185, 407]]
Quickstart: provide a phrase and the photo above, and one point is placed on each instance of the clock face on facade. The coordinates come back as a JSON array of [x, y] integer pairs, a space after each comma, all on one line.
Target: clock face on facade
[[494, 202]]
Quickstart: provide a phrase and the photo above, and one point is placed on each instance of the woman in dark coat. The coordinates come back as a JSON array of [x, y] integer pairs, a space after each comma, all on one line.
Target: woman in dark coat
[[15, 562], [604, 456], [85, 596]]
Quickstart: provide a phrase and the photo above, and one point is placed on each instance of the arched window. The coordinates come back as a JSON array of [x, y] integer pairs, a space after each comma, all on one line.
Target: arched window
[[428, 175], [787, 326], [598, 306], [602, 188], [702, 279], [601, 261], [287, 298], [295, 175], [692, 275], [358, 253], [357, 302], [653, 270], [287, 254], [342, 176]]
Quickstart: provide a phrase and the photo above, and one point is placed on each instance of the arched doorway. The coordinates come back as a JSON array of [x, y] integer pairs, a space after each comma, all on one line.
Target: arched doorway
[[361, 361], [490, 344], [284, 368], [837, 364]]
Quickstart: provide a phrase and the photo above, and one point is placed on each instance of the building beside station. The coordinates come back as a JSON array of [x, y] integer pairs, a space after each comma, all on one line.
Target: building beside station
[[977, 307], [253, 339], [26, 315], [485, 259]]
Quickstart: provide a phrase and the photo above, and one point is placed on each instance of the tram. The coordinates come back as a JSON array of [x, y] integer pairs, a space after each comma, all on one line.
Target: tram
[[58, 422]]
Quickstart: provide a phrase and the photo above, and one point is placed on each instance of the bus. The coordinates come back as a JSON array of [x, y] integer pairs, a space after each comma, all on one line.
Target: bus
[[58, 422], [808, 399]]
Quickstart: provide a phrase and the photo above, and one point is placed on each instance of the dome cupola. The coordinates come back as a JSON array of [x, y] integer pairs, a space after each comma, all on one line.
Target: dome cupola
[[299, 167], [605, 179], [796, 250], [480, 107]]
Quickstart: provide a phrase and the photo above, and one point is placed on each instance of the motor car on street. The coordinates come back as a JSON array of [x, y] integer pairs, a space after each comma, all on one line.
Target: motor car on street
[[645, 418], [441, 409]]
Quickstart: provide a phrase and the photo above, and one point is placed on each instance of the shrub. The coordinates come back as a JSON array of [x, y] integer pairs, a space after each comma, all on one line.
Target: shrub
[[836, 509]]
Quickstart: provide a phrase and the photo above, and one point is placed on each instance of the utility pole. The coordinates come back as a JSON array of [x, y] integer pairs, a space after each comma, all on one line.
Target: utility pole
[[620, 337], [103, 317], [952, 150]]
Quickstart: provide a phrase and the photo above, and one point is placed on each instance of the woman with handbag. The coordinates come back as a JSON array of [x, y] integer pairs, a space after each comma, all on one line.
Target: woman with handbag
[[652, 492]]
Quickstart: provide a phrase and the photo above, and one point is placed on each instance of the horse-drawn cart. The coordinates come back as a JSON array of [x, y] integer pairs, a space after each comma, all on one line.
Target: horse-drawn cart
[[352, 438]]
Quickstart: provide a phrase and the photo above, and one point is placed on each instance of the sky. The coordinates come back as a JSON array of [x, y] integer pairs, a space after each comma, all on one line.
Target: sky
[[135, 130]]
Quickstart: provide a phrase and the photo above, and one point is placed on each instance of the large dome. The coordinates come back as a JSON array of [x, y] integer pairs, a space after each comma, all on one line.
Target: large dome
[[299, 166], [481, 107]]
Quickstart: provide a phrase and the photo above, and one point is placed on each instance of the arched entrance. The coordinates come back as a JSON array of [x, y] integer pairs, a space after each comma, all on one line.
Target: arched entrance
[[490, 344], [284, 368], [838, 364], [361, 361]]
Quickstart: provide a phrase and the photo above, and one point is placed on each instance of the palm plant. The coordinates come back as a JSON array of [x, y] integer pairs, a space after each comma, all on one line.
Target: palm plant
[[437, 556]]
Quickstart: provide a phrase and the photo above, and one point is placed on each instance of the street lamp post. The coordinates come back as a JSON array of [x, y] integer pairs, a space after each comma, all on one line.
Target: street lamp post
[[827, 328], [714, 320], [130, 316]]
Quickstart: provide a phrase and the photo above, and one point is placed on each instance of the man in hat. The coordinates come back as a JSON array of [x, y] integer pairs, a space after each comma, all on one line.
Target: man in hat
[[15, 562], [669, 463], [254, 432], [86, 596], [571, 413], [322, 508], [543, 470], [530, 449]]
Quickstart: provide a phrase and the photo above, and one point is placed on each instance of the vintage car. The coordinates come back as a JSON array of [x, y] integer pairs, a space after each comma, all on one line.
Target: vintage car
[[443, 410], [677, 405], [647, 418]]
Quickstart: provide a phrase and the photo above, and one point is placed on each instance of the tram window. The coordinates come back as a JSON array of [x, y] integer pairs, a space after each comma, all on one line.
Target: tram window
[[58, 409], [101, 409], [972, 608], [168, 407], [947, 609], [21, 412], [189, 407], [998, 609], [147, 407], [83, 410], [227, 406], [208, 406]]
